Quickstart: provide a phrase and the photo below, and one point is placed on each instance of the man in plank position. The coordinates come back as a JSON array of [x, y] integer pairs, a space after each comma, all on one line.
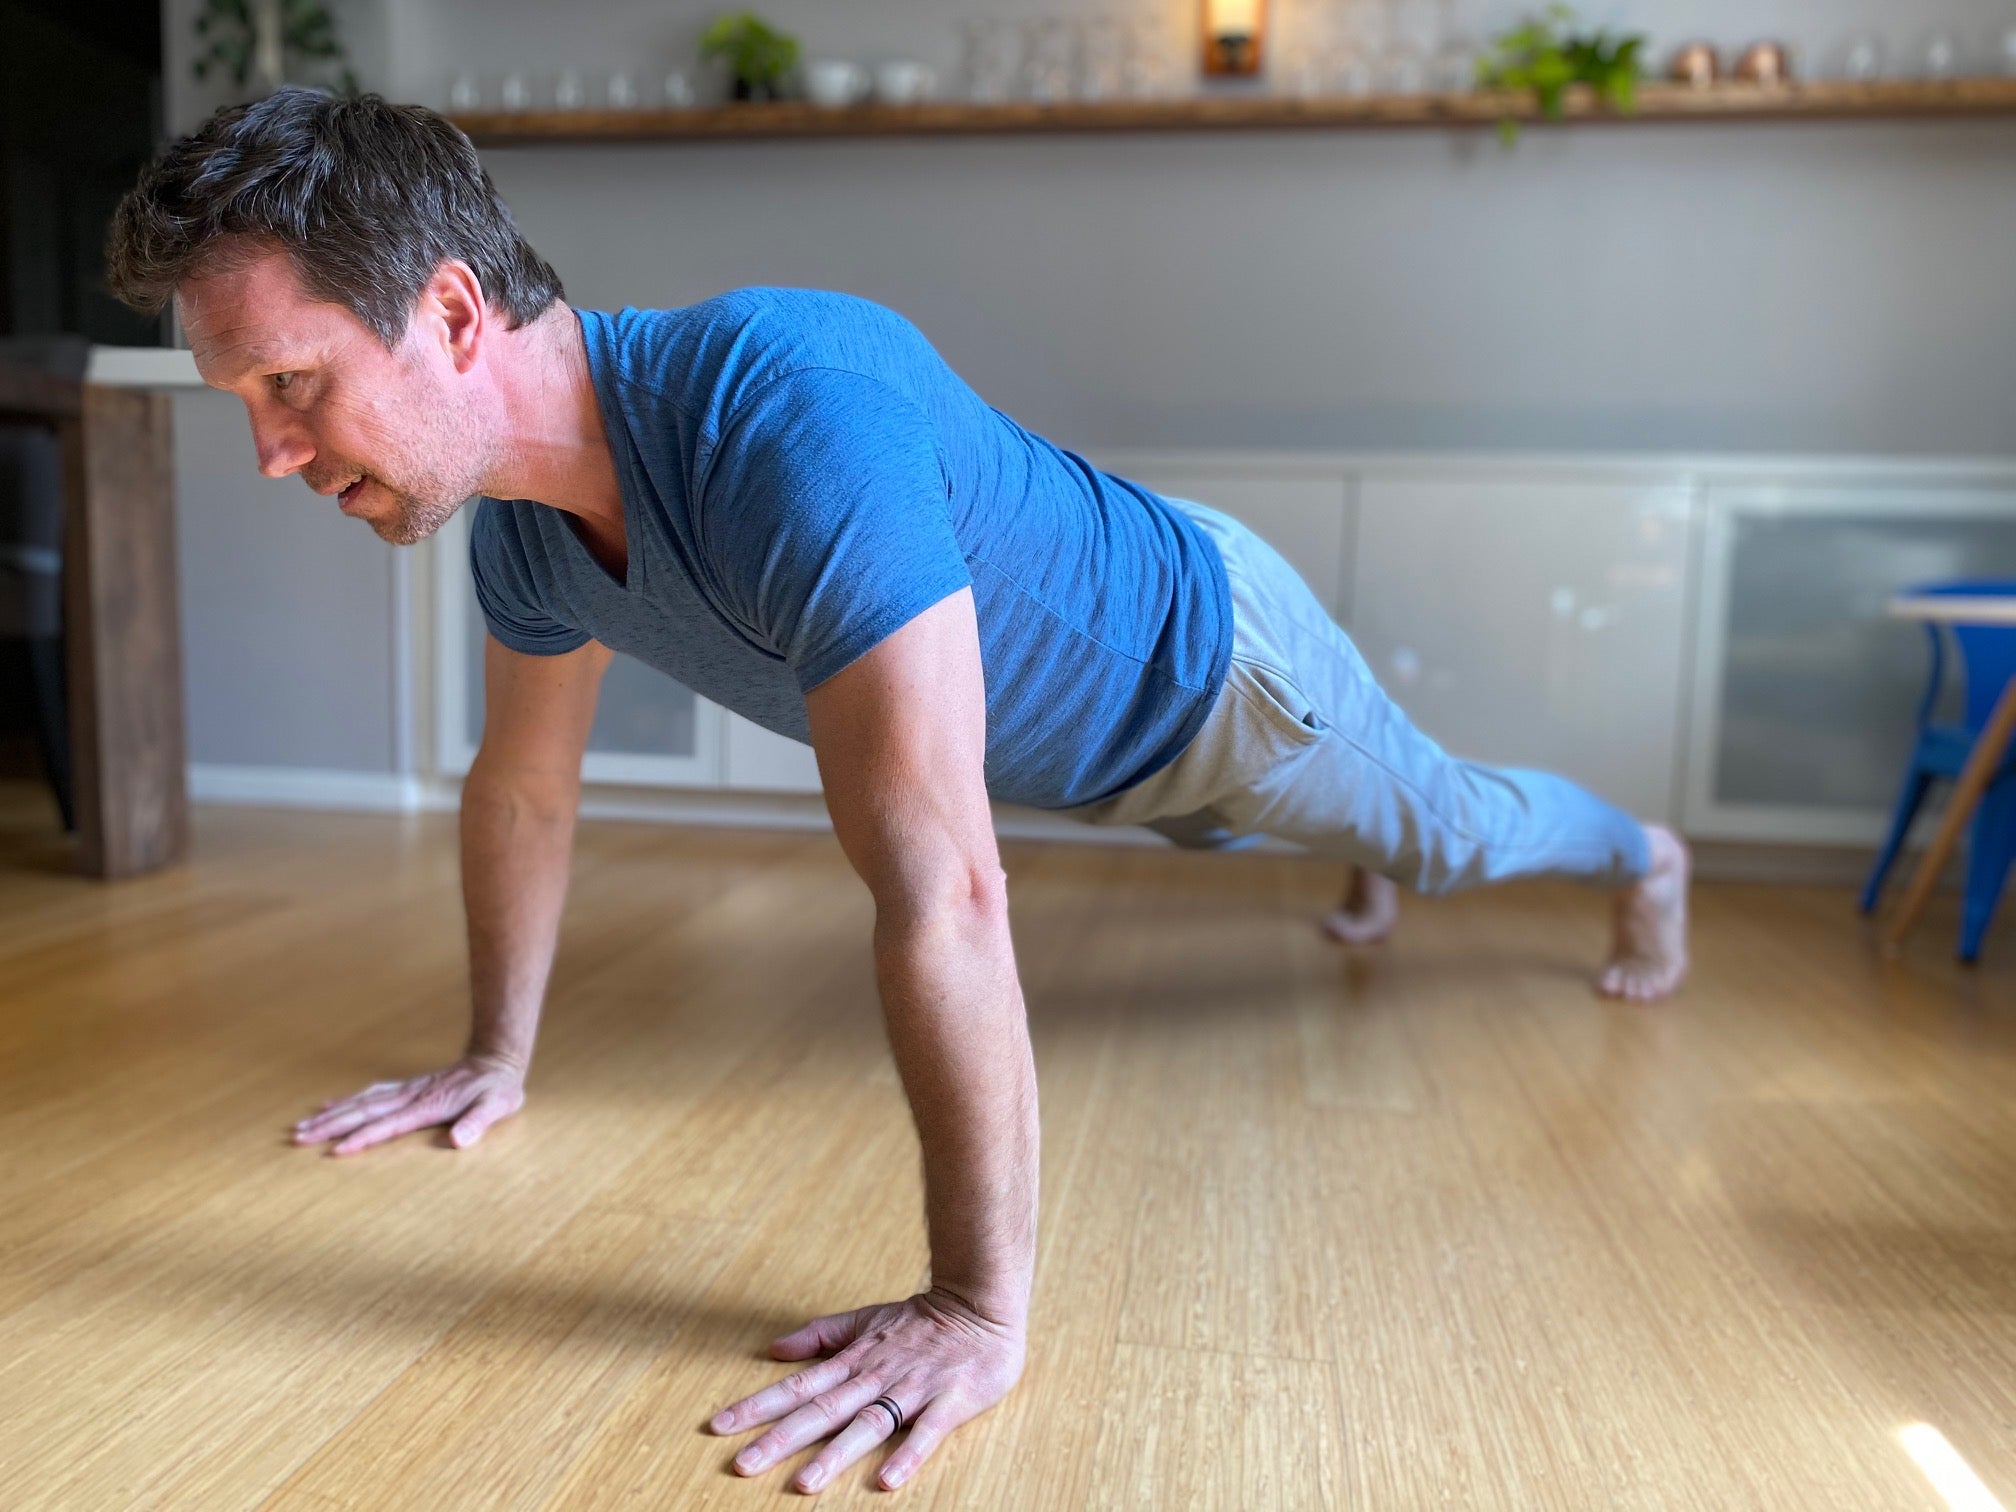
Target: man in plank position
[[787, 501]]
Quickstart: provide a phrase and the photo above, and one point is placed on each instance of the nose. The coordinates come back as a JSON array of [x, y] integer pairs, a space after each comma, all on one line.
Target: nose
[[282, 445]]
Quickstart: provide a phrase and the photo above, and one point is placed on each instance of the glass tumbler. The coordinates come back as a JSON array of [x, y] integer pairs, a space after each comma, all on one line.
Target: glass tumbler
[[991, 56], [1049, 59]]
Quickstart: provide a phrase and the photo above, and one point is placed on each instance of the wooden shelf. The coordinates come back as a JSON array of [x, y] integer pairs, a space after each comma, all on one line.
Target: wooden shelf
[[1658, 102]]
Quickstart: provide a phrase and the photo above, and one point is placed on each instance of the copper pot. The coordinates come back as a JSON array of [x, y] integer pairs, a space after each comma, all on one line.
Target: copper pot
[[1696, 64], [1765, 63]]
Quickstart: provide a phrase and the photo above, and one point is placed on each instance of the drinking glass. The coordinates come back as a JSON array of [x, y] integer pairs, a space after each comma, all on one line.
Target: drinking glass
[[621, 90], [570, 90], [1354, 48], [1940, 57], [1862, 59], [515, 93], [1102, 58], [1144, 63], [1403, 63], [991, 59], [1303, 45], [1453, 68], [1049, 58]]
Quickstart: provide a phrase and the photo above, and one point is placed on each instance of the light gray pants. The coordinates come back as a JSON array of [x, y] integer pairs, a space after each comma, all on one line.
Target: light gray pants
[[1302, 744]]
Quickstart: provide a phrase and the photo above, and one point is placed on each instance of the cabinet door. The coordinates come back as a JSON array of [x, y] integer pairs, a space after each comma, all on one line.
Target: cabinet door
[[1805, 689], [758, 760], [1534, 623], [1304, 517]]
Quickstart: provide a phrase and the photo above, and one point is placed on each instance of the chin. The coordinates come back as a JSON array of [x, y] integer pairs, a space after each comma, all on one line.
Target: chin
[[412, 522]]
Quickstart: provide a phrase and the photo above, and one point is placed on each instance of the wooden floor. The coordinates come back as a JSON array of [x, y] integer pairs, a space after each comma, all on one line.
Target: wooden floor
[[1425, 1226]]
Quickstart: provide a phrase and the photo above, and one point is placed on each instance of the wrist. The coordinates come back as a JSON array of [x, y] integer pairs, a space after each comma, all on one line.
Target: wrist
[[1002, 1303], [489, 1056]]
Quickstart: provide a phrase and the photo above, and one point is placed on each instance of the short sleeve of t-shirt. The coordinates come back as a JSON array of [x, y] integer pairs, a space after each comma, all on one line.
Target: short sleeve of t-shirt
[[504, 587], [826, 519]]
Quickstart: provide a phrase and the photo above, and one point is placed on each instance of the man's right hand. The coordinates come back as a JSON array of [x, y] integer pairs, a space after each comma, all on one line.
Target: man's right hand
[[474, 1093]]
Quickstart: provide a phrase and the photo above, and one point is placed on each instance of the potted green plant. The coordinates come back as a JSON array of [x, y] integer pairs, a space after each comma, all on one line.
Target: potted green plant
[[1543, 55], [757, 54], [266, 41]]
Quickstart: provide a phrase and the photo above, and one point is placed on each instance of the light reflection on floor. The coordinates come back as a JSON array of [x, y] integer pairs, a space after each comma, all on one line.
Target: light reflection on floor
[[1949, 1473]]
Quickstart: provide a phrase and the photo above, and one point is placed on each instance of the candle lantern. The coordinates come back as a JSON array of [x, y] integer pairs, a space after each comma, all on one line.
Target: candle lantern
[[1233, 33]]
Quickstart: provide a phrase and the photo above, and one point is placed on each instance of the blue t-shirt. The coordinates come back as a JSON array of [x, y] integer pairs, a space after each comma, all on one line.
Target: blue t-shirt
[[802, 475]]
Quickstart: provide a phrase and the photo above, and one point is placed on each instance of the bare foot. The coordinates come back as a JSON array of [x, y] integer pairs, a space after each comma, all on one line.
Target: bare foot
[[1650, 954], [1370, 909]]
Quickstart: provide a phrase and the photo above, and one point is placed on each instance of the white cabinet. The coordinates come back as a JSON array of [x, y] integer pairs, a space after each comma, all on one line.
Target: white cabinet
[[1533, 621], [1700, 640]]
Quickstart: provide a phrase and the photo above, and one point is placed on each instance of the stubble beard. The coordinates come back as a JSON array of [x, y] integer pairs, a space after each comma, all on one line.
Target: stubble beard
[[429, 496], [415, 518]]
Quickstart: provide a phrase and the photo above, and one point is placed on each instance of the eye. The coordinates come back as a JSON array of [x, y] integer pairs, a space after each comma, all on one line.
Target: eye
[[282, 382]]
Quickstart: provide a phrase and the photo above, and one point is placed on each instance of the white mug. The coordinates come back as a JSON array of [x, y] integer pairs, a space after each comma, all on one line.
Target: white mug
[[834, 81], [903, 81]]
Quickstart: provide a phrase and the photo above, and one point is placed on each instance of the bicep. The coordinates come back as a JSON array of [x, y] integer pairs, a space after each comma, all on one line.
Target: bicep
[[901, 736], [537, 710]]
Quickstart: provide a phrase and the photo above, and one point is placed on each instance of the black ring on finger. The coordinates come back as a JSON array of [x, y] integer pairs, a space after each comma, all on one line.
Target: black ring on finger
[[888, 1405]]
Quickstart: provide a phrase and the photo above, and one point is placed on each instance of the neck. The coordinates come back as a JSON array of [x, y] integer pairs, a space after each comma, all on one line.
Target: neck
[[555, 450]]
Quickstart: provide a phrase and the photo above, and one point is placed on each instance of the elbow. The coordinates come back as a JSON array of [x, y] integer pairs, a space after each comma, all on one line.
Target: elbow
[[966, 903], [543, 797]]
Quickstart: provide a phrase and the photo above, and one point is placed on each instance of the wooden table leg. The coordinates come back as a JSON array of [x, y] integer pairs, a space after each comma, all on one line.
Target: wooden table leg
[[1974, 777], [122, 628]]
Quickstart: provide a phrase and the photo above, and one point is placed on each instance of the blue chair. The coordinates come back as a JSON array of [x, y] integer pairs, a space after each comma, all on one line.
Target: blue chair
[[1987, 656]]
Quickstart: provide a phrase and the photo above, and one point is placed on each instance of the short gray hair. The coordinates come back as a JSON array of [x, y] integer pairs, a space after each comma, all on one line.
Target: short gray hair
[[368, 199]]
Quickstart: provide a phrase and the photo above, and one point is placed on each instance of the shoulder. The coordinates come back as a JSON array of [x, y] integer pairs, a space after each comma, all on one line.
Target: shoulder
[[715, 356]]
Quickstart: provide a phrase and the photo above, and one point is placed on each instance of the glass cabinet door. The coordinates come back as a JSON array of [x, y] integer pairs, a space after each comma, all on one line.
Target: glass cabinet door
[[1806, 689]]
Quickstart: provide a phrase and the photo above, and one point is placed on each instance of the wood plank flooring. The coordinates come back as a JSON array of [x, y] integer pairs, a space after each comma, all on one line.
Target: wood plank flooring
[[1428, 1225]]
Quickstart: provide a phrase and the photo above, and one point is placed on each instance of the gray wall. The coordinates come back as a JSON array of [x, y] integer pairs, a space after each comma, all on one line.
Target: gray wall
[[287, 609], [1838, 288], [1808, 288]]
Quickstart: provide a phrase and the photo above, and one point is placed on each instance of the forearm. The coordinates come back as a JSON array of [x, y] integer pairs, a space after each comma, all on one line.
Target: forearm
[[960, 1036], [517, 839]]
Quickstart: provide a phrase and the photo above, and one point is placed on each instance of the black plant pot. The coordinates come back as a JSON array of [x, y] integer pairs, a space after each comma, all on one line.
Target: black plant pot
[[753, 89]]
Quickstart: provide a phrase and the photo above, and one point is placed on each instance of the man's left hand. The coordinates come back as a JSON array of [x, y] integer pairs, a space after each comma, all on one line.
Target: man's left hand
[[939, 1359]]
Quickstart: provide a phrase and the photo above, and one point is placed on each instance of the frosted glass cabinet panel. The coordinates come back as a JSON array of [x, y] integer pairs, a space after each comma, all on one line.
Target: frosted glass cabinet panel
[[1532, 623], [1806, 689]]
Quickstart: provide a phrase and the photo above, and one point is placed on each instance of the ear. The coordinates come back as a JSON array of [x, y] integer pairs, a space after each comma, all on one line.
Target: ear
[[452, 313]]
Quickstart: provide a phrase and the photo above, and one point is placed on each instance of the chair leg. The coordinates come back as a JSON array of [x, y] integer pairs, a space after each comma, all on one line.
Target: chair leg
[[1991, 847], [1909, 798], [52, 721]]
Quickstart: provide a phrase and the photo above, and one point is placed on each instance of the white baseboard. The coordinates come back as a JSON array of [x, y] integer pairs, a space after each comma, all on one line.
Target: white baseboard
[[308, 788], [807, 811], [396, 793]]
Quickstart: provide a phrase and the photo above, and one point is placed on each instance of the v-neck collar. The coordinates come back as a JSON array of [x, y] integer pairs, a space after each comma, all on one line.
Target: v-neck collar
[[567, 522]]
